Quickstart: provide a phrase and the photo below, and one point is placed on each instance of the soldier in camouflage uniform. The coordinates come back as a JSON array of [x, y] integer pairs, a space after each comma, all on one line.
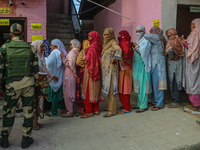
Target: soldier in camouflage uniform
[[18, 65]]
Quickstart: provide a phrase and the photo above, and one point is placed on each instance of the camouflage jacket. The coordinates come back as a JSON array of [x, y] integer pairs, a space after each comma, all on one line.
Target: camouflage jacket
[[16, 82]]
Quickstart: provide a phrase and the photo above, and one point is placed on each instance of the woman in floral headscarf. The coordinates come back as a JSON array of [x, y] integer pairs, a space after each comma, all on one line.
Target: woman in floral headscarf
[[125, 71], [191, 65], [111, 54], [175, 52], [91, 90]]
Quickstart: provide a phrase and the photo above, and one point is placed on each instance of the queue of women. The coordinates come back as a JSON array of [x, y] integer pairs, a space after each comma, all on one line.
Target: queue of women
[[97, 72]]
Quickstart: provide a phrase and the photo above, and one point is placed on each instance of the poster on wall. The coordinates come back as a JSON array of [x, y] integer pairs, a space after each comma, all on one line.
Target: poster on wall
[[36, 26], [4, 10], [156, 23], [37, 37], [4, 22]]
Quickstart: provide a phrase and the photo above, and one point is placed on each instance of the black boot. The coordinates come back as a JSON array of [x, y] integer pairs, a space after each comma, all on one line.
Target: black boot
[[4, 142], [26, 141]]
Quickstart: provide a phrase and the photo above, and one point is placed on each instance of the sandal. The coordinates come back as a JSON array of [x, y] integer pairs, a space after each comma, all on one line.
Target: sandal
[[108, 115], [86, 116], [157, 108], [124, 112], [50, 114], [135, 107], [174, 105], [141, 110], [40, 125], [67, 115], [151, 104], [96, 113], [36, 126]]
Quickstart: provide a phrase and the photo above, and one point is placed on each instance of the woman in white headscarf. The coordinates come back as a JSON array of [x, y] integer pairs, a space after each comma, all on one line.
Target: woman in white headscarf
[[55, 67], [70, 76], [40, 47]]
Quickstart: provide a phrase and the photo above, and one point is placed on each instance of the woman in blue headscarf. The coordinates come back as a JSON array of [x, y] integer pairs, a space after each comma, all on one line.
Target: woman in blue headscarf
[[55, 67]]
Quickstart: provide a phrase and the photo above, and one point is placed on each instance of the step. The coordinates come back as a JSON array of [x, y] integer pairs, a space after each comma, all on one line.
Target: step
[[57, 15], [63, 21], [58, 25], [61, 36], [56, 30]]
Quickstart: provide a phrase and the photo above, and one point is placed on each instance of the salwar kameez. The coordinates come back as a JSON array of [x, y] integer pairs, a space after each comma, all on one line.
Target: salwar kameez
[[56, 99], [125, 70], [125, 88], [158, 67], [69, 79], [142, 72]]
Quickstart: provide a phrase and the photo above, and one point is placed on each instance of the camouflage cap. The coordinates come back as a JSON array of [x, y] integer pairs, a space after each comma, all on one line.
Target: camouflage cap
[[16, 28]]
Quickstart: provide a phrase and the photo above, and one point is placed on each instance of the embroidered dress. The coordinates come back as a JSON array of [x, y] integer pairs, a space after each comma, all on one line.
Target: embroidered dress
[[158, 69], [91, 91], [141, 72]]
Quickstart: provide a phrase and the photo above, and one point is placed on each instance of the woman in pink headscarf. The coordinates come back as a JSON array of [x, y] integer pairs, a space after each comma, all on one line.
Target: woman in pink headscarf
[[191, 65]]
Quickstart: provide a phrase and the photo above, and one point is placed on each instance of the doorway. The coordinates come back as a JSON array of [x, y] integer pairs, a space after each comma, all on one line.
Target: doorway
[[185, 15], [5, 30]]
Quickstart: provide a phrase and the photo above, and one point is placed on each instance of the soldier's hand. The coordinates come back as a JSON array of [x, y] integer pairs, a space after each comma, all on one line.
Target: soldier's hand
[[55, 78]]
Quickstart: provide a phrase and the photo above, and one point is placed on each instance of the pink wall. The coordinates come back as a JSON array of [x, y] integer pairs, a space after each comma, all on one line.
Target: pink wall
[[34, 10], [140, 12]]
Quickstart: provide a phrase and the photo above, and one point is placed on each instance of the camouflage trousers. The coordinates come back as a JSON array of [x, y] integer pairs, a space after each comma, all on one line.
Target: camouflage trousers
[[9, 109]]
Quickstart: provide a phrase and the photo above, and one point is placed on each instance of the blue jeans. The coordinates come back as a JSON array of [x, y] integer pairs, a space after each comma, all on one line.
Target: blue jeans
[[157, 95]]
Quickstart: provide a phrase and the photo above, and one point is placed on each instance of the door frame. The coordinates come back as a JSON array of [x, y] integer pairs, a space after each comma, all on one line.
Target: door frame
[[25, 24]]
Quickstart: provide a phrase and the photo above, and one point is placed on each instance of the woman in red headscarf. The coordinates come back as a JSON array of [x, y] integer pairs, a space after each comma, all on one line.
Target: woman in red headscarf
[[125, 71], [92, 76]]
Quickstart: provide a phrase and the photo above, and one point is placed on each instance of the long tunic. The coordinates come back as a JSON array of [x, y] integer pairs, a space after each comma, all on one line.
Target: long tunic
[[55, 67], [142, 63], [158, 58], [69, 73], [191, 75], [175, 68], [110, 70]]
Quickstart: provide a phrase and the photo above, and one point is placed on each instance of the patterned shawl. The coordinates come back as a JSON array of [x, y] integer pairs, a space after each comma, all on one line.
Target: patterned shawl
[[93, 56], [174, 42], [108, 40], [47, 50], [157, 30], [193, 41]]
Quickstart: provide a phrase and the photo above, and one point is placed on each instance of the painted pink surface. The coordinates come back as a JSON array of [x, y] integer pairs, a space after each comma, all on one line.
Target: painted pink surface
[[140, 12], [35, 11]]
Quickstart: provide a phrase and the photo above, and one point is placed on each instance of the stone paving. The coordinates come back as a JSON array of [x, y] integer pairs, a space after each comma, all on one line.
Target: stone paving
[[166, 129], [162, 130]]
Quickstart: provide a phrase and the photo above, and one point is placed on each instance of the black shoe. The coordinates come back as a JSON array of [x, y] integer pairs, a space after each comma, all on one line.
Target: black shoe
[[26, 141], [4, 142]]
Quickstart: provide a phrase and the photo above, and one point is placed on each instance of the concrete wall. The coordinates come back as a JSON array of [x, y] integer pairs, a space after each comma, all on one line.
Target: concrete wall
[[140, 12], [169, 12], [34, 10]]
